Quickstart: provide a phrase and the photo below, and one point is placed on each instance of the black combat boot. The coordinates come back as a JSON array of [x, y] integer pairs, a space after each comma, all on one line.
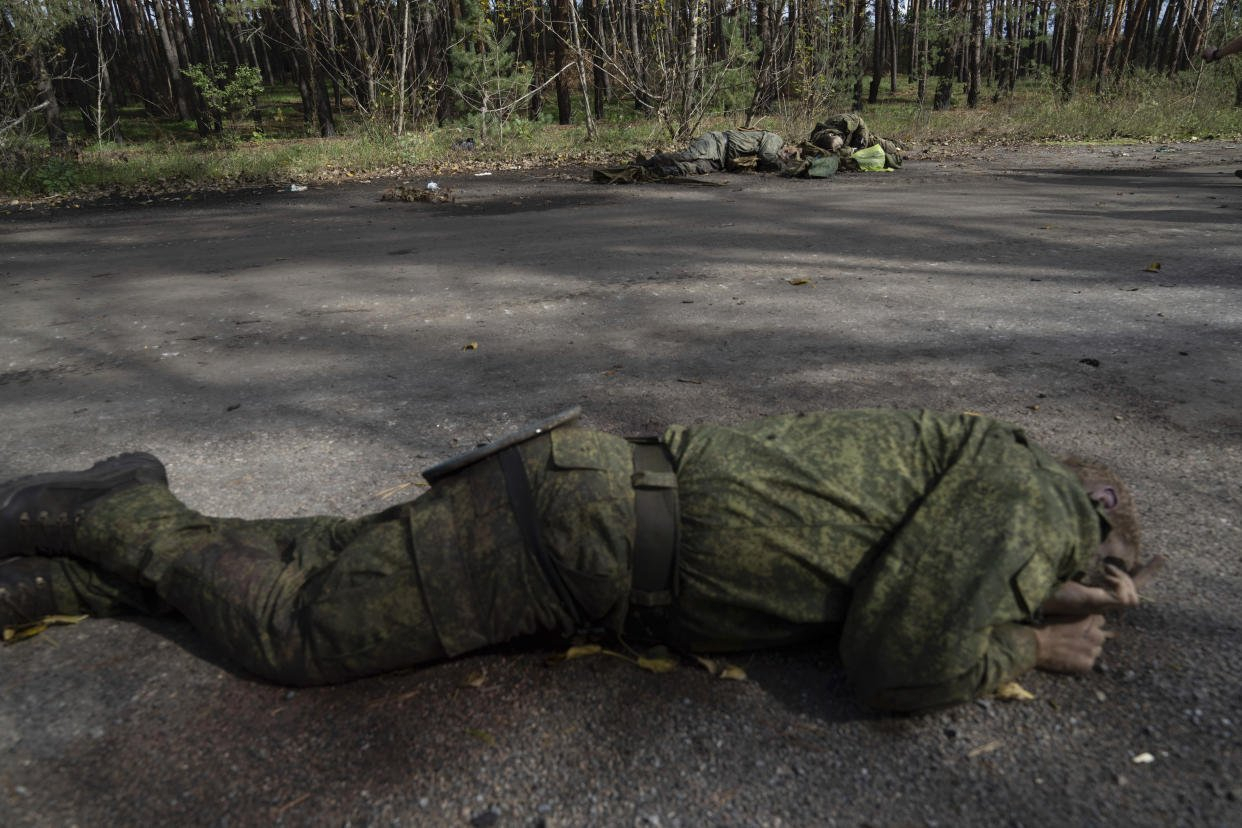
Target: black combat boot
[[26, 594], [38, 514]]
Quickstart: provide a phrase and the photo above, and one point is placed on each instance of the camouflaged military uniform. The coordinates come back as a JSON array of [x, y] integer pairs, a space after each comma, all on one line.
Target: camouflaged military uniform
[[921, 542], [854, 135], [715, 151]]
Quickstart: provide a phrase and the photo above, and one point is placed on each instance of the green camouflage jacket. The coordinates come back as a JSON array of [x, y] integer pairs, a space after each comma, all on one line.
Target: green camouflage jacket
[[924, 541]]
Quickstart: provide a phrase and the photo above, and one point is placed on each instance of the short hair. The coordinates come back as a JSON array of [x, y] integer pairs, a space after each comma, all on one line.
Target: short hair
[[1123, 518]]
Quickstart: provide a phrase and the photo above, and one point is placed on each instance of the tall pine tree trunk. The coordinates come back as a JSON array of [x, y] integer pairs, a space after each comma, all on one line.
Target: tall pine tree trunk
[[947, 69], [1073, 46], [975, 55], [560, 26], [310, 77], [877, 51]]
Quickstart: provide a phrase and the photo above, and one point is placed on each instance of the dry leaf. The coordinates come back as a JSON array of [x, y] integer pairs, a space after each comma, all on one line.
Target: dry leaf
[[1154, 267], [583, 650], [400, 487], [475, 679], [709, 665], [659, 664], [796, 282], [722, 670], [982, 749], [13, 634], [470, 346], [578, 651], [20, 632], [482, 735], [1012, 691]]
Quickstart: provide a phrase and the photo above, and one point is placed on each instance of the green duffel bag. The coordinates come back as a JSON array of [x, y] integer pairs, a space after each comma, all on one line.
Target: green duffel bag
[[823, 167]]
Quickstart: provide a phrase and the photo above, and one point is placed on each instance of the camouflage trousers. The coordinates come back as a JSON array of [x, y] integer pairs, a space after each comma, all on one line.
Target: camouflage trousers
[[324, 599]]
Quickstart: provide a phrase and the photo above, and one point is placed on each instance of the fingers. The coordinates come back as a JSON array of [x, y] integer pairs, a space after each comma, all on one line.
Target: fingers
[[1124, 592]]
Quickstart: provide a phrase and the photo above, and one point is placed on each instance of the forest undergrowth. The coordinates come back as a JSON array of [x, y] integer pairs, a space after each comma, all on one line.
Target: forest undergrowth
[[274, 146]]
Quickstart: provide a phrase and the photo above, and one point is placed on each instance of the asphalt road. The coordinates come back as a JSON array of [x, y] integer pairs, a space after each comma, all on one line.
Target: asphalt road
[[291, 353]]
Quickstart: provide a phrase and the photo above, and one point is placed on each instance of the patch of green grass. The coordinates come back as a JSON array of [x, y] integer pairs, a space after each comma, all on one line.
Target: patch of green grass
[[163, 155]]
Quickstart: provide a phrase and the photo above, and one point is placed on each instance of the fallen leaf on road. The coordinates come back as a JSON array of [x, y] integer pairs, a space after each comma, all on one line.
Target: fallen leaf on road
[[1154, 267], [658, 664], [982, 749], [482, 735], [470, 346], [722, 670], [578, 651], [19, 632], [708, 664], [400, 487], [1012, 691]]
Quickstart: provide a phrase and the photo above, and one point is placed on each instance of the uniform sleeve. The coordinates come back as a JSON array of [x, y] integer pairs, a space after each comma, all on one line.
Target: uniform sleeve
[[937, 618], [770, 146]]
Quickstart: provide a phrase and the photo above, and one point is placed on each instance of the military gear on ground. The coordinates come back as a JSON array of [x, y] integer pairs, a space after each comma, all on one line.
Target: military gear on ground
[[733, 149], [921, 543], [854, 135], [815, 164], [867, 159], [521, 435], [38, 513], [628, 174]]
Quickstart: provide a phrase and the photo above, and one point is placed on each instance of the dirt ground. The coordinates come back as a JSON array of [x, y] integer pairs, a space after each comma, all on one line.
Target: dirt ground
[[291, 353]]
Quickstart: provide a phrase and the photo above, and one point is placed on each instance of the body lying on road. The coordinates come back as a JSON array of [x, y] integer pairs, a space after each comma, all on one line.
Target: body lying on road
[[944, 554], [843, 138]]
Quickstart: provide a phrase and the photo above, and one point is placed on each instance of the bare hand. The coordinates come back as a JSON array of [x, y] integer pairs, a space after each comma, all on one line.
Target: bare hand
[[1070, 645], [1121, 590]]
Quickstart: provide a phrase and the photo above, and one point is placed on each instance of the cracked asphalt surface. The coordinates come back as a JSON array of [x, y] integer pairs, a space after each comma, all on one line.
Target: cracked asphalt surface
[[298, 353]]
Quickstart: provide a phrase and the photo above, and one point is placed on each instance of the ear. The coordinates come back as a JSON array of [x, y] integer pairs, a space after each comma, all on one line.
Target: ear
[[1104, 495]]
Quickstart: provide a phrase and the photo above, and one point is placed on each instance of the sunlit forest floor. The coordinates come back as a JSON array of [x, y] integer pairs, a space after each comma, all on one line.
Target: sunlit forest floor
[[168, 155]]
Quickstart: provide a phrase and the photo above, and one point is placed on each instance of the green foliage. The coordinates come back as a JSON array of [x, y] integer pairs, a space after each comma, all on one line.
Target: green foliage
[[166, 155], [28, 27], [242, 11], [484, 74], [225, 92], [57, 175], [734, 79]]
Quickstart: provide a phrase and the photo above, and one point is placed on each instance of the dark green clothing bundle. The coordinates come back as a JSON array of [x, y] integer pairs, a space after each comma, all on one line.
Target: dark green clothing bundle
[[919, 543], [854, 135], [728, 150]]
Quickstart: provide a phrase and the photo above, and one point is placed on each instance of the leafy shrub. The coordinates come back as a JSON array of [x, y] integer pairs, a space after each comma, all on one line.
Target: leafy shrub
[[224, 92]]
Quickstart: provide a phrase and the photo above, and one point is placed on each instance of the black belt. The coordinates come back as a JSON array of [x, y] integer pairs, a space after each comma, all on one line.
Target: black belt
[[655, 535], [653, 582]]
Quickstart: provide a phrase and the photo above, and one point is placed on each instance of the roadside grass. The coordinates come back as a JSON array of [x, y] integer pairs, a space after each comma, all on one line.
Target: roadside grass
[[167, 155]]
